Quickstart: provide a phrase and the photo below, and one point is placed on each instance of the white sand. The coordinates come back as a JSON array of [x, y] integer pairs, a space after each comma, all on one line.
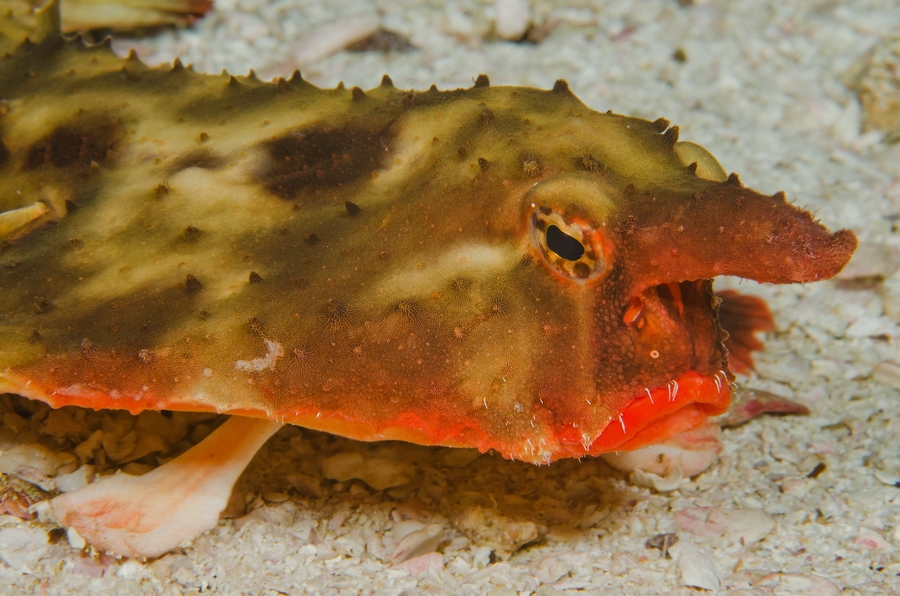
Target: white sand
[[762, 89]]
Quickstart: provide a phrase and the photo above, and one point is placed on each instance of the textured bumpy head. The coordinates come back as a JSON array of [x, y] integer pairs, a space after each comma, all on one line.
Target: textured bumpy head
[[492, 267]]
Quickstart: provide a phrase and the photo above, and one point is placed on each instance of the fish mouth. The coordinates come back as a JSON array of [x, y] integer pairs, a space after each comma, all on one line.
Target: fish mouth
[[683, 404]]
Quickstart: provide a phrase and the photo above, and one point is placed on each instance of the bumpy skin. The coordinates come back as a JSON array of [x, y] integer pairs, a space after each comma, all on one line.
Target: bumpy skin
[[378, 264]]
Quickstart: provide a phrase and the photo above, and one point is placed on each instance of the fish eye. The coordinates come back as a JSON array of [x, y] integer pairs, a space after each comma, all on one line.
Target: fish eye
[[567, 216], [571, 246], [563, 245]]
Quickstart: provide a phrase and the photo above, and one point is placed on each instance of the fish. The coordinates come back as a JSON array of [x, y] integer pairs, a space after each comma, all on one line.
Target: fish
[[501, 268]]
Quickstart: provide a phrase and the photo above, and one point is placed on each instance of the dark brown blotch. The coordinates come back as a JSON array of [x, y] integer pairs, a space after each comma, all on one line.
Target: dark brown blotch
[[88, 140], [336, 315], [4, 153], [589, 163], [192, 285], [483, 164], [313, 239], [192, 234], [352, 208], [310, 161], [255, 326]]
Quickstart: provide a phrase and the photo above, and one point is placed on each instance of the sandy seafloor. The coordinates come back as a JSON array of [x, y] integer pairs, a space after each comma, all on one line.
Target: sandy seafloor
[[762, 87]]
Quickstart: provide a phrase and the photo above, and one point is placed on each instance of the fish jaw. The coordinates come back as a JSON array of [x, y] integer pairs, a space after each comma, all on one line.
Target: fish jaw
[[657, 422], [656, 416]]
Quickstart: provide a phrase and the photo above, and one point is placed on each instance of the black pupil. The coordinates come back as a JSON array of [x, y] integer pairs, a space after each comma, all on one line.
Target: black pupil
[[564, 245]]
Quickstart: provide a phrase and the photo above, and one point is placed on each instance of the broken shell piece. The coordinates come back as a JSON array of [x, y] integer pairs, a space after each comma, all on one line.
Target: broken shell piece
[[513, 18], [740, 526], [423, 564], [490, 528], [80, 478], [870, 540], [377, 472], [875, 77], [21, 547], [658, 483], [328, 38], [691, 452], [33, 455], [888, 478], [418, 543], [749, 404], [697, 567]]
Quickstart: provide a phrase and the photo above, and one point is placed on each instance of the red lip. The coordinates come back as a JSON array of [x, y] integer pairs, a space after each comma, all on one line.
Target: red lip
[[660, 414]]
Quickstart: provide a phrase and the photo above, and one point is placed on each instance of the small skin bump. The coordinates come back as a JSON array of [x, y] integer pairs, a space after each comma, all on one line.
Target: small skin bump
[[162, 190], [255, 278], [661, 125], [590, 164], [358, 94], [482, 81], [192, 234], [386, 82], [561, 86], [204, 137], [531, 167], [35, 337], [671, 135], [313, 239], [734, 180], [352, 208], [192, 285], [483, 164], [42, 305]]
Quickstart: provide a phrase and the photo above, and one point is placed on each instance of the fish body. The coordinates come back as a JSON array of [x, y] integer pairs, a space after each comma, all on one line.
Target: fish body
[[493, 267]]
